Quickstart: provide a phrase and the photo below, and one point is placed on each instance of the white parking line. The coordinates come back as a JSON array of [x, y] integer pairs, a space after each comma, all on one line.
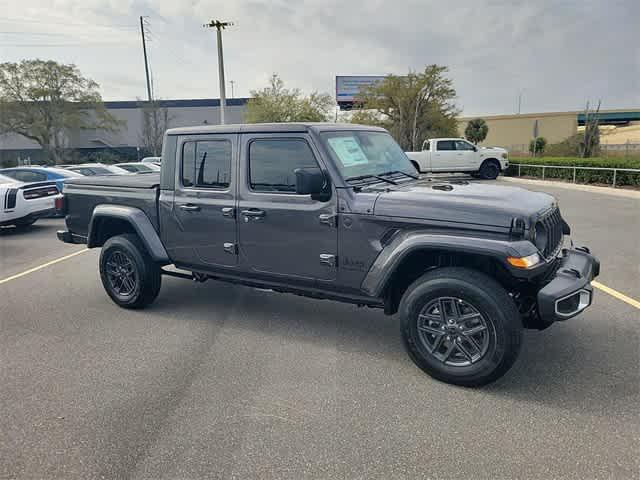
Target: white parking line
[[40, 267]]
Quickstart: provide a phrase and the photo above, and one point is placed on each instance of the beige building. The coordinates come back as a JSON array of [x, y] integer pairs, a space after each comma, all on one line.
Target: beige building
[[514, 132]]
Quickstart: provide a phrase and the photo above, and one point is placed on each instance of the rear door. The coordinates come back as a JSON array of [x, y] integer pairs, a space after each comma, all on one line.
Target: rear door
[[202, 227], [280, 232], [443, 159]]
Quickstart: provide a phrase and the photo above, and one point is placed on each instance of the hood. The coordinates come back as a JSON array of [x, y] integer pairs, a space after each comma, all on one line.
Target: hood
[[471, 203]]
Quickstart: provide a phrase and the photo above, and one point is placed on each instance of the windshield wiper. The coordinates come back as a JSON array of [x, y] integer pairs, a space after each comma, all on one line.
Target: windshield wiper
[[415, 177], [362, 177]]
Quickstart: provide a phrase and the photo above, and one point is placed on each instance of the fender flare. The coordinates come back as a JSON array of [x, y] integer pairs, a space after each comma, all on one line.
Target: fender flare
[[404, 243], [140, 223]]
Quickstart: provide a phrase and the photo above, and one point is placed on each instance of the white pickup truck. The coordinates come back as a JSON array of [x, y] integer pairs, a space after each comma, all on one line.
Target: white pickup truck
[[459, 155]]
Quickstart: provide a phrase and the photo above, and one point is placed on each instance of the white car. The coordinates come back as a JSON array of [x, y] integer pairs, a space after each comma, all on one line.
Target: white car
[[21, 203], [459, 155], [139, 167], [156, 160], [91, 169]]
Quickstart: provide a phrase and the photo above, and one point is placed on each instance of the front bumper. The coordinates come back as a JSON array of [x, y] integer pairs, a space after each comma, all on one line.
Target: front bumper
[[570, 291]]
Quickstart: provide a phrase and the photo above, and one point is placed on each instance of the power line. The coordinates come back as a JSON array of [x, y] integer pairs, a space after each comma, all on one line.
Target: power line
[[47, 22]]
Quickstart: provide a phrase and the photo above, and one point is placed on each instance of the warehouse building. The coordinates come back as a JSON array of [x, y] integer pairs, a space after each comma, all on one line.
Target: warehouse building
[[514, 132], [125, 142]]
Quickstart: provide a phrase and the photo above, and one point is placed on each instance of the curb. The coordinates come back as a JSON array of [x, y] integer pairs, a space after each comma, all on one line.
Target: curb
[[616, 192]]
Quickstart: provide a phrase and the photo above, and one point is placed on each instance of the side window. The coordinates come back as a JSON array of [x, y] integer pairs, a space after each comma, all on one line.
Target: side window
[[426, 145], [188, 164], [206, 164], [462, 145], [272, 163], [446, 145], [25, 176]]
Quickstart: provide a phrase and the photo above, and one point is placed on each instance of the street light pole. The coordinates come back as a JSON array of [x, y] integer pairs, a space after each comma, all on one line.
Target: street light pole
[[219, 26]]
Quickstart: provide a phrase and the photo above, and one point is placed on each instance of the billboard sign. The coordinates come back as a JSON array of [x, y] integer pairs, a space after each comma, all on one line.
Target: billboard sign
[[348, 87]]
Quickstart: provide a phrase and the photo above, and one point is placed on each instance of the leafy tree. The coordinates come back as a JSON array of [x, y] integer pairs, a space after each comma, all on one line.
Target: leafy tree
[[45, 101], [476, 130], [537, 146], [412, 107], [276, 103], [591, 139], [155, 121]]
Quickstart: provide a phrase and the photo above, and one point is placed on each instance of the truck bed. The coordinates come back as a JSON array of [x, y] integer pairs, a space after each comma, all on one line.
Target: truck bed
[[82, 195], [144, 180]]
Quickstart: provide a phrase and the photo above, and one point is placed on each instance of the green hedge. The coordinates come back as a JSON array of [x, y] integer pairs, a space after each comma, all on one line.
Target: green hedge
[[582, 176]]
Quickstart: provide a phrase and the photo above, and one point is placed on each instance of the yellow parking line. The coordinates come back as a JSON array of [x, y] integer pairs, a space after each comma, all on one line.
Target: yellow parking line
[[615, 293], [40, 267]]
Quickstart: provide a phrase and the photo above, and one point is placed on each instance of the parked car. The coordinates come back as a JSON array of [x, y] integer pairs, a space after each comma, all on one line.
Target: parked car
[[459, 155], [156, 160], [138, 167], [39, 174], [21, 204], [91, 169], [337, 212]]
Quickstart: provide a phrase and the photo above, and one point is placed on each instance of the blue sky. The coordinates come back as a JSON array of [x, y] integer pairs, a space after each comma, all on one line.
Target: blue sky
[[558, 54]]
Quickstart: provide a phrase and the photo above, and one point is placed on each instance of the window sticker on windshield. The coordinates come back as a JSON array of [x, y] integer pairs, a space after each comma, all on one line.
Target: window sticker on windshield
[[348, 151]]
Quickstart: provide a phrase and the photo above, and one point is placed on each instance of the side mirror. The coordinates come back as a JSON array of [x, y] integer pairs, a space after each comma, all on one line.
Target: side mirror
[[311, 181], [475, 149]]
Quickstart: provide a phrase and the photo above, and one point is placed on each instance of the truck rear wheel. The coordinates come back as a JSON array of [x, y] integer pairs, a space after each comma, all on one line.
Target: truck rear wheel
[[460, 326], [129, 275]]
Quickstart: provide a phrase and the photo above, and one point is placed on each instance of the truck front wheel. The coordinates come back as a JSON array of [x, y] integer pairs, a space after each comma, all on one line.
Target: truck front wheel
[[460, 326], [489, 170], [129, 275]]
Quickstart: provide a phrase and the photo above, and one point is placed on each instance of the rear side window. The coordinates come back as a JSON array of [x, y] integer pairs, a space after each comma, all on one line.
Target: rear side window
[[26, 176], [206, 164], [272, 163], [446, 145]]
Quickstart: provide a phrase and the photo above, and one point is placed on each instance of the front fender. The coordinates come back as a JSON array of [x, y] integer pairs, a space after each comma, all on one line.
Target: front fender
[[405, 243], [140, 223]]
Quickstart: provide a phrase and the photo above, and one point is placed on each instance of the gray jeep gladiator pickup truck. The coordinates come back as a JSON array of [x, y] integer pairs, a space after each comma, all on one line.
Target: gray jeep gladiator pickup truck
[[337, 212]]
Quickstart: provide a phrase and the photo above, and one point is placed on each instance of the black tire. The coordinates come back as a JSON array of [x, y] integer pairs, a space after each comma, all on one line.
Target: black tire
[[143, 275], [416, 166], [489, 170], [500, 340]]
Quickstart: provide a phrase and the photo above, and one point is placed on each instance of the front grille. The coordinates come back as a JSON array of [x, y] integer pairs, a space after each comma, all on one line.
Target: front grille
[[552, 223]]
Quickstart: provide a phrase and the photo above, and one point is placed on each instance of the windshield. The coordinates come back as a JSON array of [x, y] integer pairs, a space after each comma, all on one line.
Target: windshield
[[361, 154]]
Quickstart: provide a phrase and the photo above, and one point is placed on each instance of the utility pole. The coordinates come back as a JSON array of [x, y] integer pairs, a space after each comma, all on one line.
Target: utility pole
[[146, 62], [519, 101], [232, 83], [219, 26]]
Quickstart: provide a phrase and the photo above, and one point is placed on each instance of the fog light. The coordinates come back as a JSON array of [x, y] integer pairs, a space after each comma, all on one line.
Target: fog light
[[524, 262], [573, 303]]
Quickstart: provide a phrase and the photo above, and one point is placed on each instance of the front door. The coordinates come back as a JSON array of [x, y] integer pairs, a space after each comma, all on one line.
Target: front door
[[202, 231], [280, 232], [466, 156]]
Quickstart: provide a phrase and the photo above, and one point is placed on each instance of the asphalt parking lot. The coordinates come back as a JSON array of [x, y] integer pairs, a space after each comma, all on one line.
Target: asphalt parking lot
[[221, 381]]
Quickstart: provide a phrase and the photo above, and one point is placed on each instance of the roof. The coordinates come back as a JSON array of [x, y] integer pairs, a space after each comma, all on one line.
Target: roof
[[270, 128], [620, 112], [194, 102]]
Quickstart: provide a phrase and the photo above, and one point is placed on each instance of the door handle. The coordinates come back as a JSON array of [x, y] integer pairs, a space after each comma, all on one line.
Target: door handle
[[228, 212], [190, 207], [254, 212]]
